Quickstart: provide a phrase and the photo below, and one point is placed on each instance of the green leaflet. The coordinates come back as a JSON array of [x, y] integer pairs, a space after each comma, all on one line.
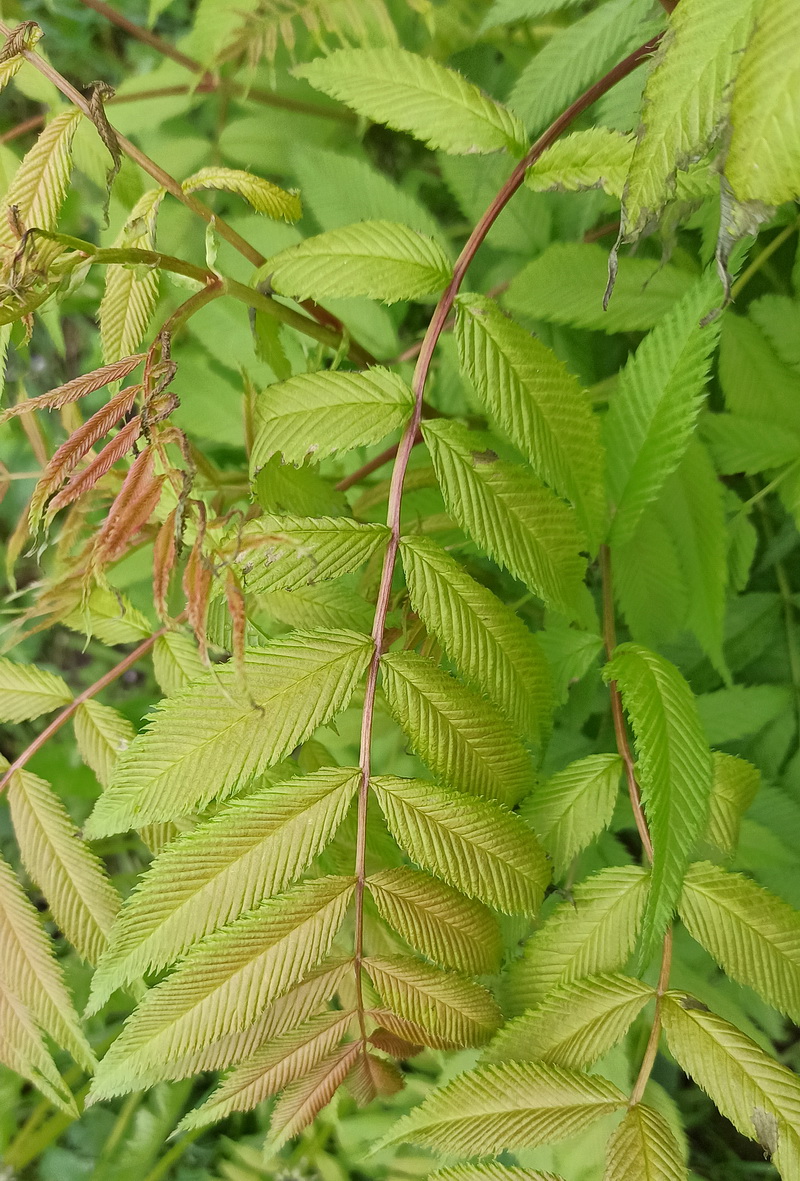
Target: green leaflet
[[754, 381], [415, 94], [575, 57], [644, 1146], [380, 259], [759, 1096], [593, 931], [461, 737], [448, 1004], [283, 488], [213, 738], [22, 1049], [453, 931], [490, 1171], [649, 581], [565, 285], [73, 880], [763, 162], [40, 183], [264, 196], [685, 100], [272, 1067], [324, 604], [32, 973], [277, 553], [591, 159], [474, 845], [27, 691], [655, 407], [518, 521], [574, 806], [744, 443], [752, 934], [515, 1105], [109, 616], [249, 850], [226, 981], [674, 770], [314, 415], [176, 662], [102, 734], [537, 402], [729, 715], [733, 790], [490, 646], [504, 12], [131, 292], [576, 1023]]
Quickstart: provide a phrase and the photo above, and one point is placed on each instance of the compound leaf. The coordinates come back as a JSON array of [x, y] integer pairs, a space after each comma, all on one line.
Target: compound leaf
[[572, 807]]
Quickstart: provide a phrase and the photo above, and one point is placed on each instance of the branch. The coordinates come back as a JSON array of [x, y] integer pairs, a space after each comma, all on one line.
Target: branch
[[144, 35], [66, 713], [434, 331]]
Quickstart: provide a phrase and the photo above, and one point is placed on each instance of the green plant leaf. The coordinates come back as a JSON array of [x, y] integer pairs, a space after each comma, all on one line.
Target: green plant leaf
[[22, 1049], [461, 737], [597, 158], [215, 737], [752, 1090], [324, 604], [253, 848], [284, 553], [752, 934], [380, 259], [314, 415], [27, 691], [644, 1148], [685, 101], [674, 770], [518, 521], [474, 845], [102, 734], [131, 292], [226, 980], [32, 973], [176, 662], [593, 931], [565, 285], [491, 647], [515, 1105], [79, 895], [412, 93], [40, 183], [655, 407], [264, 196], [537, 402], [491, 1171], [448, 1004], [571, 808], [733, 790], [303, 1100], [577, 1022], [437, 921]]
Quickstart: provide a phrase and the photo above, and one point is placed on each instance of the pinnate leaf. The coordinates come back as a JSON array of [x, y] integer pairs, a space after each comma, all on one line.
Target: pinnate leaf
[[644, 1148], [453, 931], [518, 521], [674, 770], [513, 1105], [752, 934], [576, 1023], [313, 415], [461, 737], [490, 646], [573, 806], [593, 931], [284, 553], [472, 844], [226, 981], [27, 691], [416, 94], [380, 259], [253, 848], [448, 1004], [215, 737]]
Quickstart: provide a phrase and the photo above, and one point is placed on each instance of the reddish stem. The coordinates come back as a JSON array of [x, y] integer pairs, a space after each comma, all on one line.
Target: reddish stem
[[66, 713]]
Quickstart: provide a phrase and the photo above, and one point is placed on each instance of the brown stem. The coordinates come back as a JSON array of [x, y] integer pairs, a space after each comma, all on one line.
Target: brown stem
[[144, 35], [617, 712], [651, 1049], [225, 231], [22, 128], [434, 331], [66, 713]]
